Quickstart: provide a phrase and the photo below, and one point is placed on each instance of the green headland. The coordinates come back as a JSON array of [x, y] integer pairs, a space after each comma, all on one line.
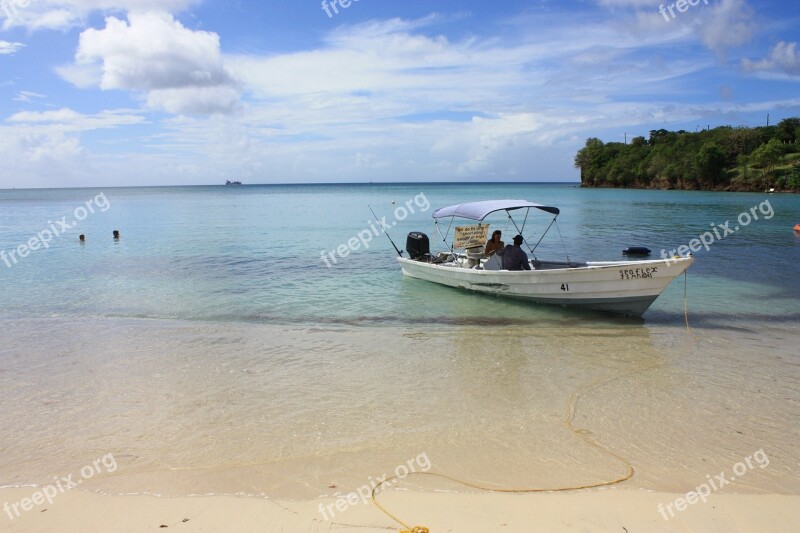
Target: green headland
[[720, 159]]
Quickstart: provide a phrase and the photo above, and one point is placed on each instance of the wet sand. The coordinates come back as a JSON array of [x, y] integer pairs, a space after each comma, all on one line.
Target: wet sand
[[269, 418]]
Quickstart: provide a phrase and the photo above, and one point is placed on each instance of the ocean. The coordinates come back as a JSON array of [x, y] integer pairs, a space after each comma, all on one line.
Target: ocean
[[261, 340]]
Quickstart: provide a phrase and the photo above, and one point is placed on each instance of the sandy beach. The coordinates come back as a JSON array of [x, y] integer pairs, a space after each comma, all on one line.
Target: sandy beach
[[595, 511]]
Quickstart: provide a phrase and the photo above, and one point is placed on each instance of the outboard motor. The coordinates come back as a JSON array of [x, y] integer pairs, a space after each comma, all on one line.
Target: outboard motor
[[417, 245]]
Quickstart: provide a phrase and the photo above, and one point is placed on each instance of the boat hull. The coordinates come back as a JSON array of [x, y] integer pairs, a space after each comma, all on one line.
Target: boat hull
[[624, 287]]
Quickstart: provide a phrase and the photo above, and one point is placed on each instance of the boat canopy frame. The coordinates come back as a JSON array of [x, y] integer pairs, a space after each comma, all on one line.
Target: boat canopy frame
[[478, 211]]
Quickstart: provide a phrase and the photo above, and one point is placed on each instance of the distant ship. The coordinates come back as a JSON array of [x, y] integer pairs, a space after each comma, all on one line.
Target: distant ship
[[229, 182]]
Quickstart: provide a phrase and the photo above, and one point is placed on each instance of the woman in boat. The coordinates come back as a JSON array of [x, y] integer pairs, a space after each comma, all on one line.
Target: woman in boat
[[494, 244]]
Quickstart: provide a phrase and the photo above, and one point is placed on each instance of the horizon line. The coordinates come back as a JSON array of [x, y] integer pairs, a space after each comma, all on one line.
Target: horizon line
[[309, 184]]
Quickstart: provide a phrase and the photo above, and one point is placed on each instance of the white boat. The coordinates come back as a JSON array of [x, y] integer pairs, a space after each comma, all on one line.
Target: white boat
[[626, 287]]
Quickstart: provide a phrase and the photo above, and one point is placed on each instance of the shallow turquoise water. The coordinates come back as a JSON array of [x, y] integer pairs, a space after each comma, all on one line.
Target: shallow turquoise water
[[253, 253]]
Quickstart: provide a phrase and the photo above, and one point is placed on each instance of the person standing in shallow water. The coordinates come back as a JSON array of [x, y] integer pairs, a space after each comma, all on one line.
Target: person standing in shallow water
[[513, 256], [116, 234], [494, 244]]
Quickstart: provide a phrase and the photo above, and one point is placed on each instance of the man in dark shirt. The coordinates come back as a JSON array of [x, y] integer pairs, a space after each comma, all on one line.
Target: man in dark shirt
[[514, 258]]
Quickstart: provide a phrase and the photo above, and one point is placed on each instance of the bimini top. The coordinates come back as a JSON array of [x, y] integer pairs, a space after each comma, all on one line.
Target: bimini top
[[480, 210]]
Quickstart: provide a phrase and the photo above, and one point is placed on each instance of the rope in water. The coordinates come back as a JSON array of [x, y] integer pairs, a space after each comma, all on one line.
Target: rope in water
[[568, 422], [685, 299]]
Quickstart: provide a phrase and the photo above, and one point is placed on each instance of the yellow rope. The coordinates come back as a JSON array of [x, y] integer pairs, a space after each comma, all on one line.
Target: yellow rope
[[685, 300], [568, 423]]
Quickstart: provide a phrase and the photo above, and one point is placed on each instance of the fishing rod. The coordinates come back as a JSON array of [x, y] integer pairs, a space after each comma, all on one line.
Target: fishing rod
[[385, 231]]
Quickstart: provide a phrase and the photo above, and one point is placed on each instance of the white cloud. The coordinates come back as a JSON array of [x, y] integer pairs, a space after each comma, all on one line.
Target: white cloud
[[66, 120], [27, 96], [721, 24], [730, 23], [63, 14], [8, 48], [85, 76], [783, 62], [195, 100], [627, 3], [124, 5], [45, 147], [177, 69]]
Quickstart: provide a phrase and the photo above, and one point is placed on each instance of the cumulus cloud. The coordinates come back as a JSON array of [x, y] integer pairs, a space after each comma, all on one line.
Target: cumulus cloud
[[783, 61], [7, 48], [175, 68], [63, 14]]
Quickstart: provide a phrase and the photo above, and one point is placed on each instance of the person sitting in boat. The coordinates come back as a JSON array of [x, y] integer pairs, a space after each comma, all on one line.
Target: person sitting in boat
[[514, 258], [494, 244]]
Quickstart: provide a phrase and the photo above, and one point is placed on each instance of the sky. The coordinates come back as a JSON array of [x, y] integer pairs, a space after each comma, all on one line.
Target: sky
[[98, 93]]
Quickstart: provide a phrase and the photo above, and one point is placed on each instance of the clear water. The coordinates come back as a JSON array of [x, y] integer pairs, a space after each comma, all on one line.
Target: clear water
[[253, 253], [211, 349]]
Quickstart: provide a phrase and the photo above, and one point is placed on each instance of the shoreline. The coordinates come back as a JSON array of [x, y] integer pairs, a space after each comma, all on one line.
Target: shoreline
[[627, 402], [609, 510], [722, 190], [495, 403]]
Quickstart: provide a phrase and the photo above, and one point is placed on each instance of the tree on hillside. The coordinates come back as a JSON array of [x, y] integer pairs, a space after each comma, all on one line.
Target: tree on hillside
[[743, 161], [660, 136], [710, 163], [590, 159], [741, 141], [767, 156], [584, 157], [787, 130]]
